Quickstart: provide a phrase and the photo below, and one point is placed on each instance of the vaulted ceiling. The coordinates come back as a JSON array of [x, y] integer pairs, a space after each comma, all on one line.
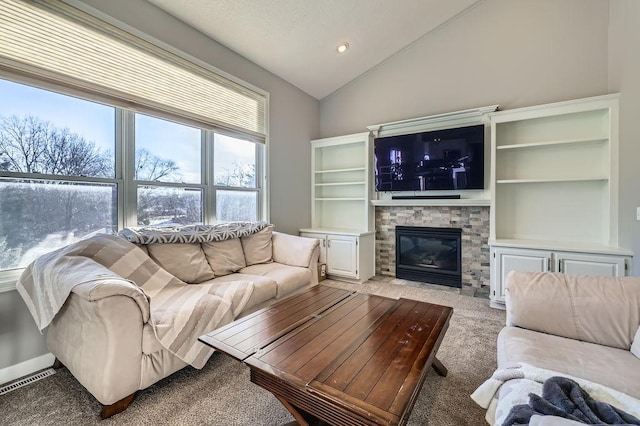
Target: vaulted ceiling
[[297, 39]]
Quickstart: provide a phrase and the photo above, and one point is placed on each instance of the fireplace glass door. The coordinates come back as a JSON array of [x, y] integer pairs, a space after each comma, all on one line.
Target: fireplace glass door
[[431, 255]]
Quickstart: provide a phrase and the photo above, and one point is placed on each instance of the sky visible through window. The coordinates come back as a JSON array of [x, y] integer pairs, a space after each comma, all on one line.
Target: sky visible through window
[[95, 123]]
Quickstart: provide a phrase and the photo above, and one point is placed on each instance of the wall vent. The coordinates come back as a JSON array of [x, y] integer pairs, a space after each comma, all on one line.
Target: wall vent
[[26, 380]]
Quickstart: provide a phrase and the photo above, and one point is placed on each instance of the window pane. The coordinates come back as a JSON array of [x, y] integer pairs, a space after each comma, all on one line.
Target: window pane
[[39, 216], [234, 162], [167, 151], [46, 132], [235, 205], [163, 206]]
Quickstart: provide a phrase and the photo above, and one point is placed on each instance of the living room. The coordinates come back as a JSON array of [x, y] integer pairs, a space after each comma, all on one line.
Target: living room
[[511, 53]]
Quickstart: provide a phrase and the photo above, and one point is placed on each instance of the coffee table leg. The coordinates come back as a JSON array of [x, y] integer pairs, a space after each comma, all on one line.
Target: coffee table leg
[[296, 414], [440, 369]]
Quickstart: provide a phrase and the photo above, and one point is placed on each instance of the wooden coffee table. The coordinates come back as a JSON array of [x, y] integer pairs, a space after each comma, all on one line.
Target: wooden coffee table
[[339, 357]]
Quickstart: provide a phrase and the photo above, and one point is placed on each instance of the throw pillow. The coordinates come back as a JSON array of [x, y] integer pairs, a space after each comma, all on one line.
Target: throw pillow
[[258, 247], [224, 257], [635, 346], [184, 261]]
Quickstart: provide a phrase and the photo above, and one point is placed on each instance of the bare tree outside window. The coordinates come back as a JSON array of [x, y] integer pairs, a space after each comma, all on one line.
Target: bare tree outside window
[[31, 145], [40, 215], [151, 168]]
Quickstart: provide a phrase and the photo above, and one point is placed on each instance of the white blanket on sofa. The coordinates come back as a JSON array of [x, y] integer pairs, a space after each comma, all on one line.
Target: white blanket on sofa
[[515, 383], [106, 265]]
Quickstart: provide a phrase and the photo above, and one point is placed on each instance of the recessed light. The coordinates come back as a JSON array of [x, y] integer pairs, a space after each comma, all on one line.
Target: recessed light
[[342, 47]]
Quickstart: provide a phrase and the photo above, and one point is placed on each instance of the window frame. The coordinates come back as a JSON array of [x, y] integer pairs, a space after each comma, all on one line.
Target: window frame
[[124, 163]]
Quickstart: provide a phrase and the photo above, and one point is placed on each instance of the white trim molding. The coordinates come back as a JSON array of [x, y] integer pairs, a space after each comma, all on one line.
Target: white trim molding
[[8, 279], [30, 366], [447, 119]]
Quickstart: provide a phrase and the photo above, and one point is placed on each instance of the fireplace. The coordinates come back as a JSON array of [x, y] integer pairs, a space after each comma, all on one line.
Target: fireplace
[[431, 255]]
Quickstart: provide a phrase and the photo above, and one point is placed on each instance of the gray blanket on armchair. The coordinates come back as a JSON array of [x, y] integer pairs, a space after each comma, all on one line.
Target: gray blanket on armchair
[[563, 397]]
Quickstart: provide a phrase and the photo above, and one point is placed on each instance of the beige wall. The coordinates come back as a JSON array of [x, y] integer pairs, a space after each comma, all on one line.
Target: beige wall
[[509, 52], [20, 339], [624, 77]]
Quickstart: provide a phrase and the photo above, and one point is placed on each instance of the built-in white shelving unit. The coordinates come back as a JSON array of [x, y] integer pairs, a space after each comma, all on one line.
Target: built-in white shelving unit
[[341, 189], [342, 214], [554, 189]]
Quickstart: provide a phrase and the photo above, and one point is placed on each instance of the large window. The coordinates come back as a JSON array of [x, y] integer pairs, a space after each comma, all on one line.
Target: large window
[[71, 168]]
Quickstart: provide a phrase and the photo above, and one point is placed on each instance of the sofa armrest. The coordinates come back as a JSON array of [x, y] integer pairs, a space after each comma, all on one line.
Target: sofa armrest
[[100, 342], [293, 250], [109, 287]]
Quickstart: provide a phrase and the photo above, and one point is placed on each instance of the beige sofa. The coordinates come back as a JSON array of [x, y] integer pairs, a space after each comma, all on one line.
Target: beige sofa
[[106, 341], [584, 326]]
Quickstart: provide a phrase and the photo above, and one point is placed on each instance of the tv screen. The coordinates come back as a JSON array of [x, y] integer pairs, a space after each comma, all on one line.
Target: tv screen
[[450, 159]]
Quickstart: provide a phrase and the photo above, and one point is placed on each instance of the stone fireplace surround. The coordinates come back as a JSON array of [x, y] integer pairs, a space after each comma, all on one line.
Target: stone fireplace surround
[[474, 222]]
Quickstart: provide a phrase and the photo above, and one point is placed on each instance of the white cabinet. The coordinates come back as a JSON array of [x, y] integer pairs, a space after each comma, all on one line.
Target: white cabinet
[[554, 190], [348, 255], [507, 259], [342, 255], [590, 264]]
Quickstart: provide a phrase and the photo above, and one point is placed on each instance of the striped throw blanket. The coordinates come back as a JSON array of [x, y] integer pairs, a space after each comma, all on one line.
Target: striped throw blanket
[[107, 265]]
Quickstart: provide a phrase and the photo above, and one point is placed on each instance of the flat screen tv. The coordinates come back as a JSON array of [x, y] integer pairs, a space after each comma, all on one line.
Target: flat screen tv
[[450, 159]]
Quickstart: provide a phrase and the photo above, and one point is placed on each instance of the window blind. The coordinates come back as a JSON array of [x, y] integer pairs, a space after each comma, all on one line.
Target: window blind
[[61, 44]]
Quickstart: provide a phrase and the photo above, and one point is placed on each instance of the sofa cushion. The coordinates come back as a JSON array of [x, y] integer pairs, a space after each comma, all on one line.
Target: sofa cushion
[[184, 261], [603, 310], [289, 278], [225, 257], [258, 247], [264, 288], [635, 346], [612, 367]]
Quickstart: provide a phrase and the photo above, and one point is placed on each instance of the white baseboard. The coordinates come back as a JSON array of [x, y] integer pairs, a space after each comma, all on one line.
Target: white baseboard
[[25, 368]]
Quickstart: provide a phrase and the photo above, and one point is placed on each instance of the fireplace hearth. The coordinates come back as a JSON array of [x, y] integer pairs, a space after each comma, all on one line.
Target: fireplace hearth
[[430, 255]]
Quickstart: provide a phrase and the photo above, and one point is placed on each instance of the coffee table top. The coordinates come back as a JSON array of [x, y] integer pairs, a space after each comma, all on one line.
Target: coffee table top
[[338, 354]]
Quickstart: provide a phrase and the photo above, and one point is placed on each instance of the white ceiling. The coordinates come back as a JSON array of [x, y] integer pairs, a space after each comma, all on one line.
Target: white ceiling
[[297, 39]]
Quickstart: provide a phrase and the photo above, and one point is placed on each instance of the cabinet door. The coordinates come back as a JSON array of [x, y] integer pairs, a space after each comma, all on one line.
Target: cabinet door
[[507, 259], [590, 264], [342, 255], [323, 244]]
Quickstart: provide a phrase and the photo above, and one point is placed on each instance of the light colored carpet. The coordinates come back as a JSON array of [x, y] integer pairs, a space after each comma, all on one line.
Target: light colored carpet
[[221, 393]]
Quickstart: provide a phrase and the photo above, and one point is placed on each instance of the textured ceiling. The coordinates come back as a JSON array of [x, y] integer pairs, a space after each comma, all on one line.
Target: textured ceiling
[[297, 39]]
